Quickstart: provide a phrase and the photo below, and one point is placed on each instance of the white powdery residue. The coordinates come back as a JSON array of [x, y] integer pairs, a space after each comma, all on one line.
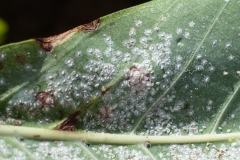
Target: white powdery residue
[[147, 32], [56, 151], [132, 32], [138, 78], [179, 31], [108, 40], [10, 151], [231, 57], [69, 62], [191, 128], [2, 81], [138, 23], [129, 43], [187, 35], [191, 24]]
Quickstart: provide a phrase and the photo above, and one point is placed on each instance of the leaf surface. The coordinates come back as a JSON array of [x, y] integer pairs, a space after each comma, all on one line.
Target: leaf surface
[[160, 68]]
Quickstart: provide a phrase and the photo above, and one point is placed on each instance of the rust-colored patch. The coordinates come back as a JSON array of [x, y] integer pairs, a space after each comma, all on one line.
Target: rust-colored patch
[[47, 44], [69, 123], [46, 99], [1, 65], [106, 90], [20, 59], [36, 136]]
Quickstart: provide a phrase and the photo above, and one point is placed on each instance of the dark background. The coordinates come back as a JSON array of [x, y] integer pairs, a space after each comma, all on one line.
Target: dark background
[[42, 18]]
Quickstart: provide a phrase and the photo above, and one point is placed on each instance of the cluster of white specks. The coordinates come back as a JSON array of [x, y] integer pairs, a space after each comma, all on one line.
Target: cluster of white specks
[[203, 152], [69, 62], [138, 23], [78, 54], [231, 57], [108, 40], [228, 45], [206, 79], [10, 152], [191, 128], [2, 81], [179, 31], [187, 35], [132, 32], [191, 24], [159, 123], [148, 32], [3, 56], [211, 69], [55, 151], [28, 67], [209, 105], [138, 78], [225, 73], [109, 152], [129, 43]]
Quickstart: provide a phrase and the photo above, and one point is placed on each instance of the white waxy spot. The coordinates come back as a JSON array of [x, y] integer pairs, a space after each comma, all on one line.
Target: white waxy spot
[[191, 24], [231, 57], [109, 41], [228, 45], [143, 40], [199, 56], [211, 69], [225, 73], [3, 56], [2, 81], [179, 31], [78, 54], [156, 29], [28, 67], [132, 32], [206, 79], [238, 72], [138, 23], [210, 102], [147, 32], [138, 78], [129, 43], [69, 62], [187, 35], [208, 108]]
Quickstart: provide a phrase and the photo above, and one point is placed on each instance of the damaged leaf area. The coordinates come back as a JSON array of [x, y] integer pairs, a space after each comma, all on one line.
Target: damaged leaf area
[[48, 44], [164, 68]]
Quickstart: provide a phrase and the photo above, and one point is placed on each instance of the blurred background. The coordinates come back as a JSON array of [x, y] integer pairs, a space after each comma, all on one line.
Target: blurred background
[[26, 19]]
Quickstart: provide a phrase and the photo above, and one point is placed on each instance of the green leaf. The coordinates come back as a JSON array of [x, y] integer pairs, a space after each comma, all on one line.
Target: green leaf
[[163, 70], [3, 30]]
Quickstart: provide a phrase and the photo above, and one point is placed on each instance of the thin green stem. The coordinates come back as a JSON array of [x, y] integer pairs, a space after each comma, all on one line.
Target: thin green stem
[[47, 134]]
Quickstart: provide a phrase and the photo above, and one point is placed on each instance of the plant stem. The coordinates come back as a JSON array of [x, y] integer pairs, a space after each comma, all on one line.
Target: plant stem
[[48, 134]]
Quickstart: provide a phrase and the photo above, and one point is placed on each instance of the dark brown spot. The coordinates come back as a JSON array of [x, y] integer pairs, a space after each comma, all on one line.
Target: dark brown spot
[[48, 44], [20, 59], [92, 26], [69, 123], [186, 106], [147, 144], [36, 136], [106, 90], [46, 99], [1, 65]]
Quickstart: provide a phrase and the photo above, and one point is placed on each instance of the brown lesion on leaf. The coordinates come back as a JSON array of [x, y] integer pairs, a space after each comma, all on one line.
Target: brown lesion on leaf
[[20, 59], [69, 123], [1, 65], [47, 44], [46, 99], [105, 90]]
